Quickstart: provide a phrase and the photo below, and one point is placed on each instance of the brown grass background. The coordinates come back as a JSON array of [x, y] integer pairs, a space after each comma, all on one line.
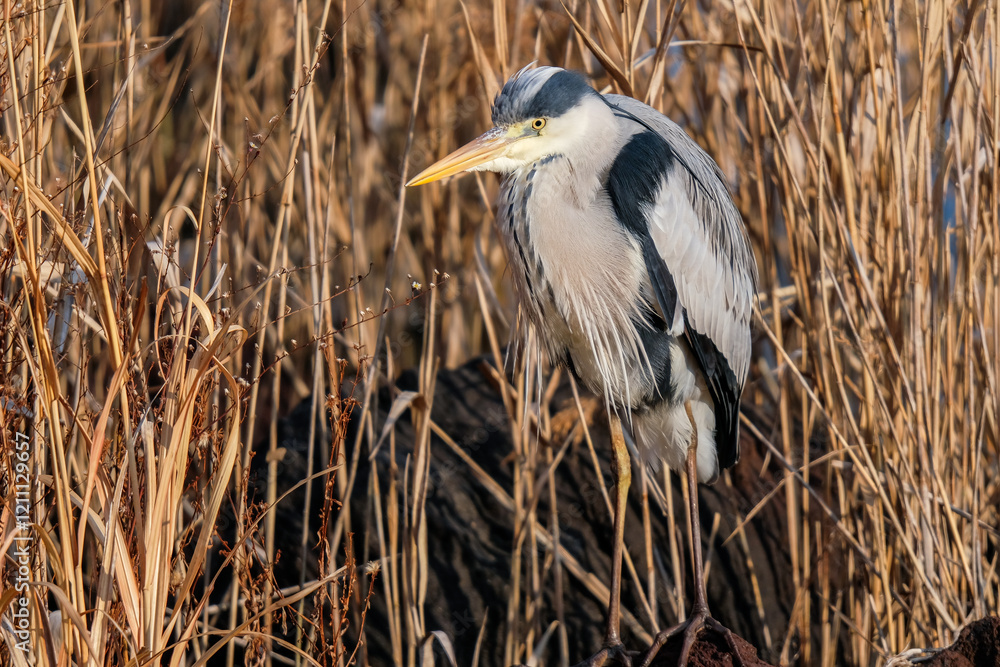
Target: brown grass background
[[202, 223]]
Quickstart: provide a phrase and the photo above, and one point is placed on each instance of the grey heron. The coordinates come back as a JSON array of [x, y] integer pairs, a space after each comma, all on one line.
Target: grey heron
[[631, 260]]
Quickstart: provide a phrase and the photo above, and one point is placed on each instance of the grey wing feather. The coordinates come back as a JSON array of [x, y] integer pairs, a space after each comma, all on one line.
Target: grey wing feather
[[701, 266], [701, 239]]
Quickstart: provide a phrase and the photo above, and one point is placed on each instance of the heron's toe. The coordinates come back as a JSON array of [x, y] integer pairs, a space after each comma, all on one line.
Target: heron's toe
[[615, 655], [689, 630]]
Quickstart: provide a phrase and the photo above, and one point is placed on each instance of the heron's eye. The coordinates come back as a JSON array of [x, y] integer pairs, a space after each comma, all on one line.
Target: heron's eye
[[537, 124]]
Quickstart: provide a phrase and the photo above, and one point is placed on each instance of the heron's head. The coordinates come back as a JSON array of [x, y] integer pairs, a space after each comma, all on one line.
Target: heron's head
[[540, 112]]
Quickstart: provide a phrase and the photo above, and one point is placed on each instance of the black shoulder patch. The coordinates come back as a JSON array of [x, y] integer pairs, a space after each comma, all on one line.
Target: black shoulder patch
[[636, 176], [633, 182]]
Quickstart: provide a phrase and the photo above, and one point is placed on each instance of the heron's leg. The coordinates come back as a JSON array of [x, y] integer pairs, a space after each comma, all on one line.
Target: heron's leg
[[699, 617], [613, 650], [622, 468], [694, 518]]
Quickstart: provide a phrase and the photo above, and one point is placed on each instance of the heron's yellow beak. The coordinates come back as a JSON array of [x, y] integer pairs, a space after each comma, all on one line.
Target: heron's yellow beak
[[489, 146]]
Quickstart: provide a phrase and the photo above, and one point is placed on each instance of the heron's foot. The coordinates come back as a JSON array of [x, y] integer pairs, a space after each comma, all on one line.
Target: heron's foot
[[612, 654], [690, 628]]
